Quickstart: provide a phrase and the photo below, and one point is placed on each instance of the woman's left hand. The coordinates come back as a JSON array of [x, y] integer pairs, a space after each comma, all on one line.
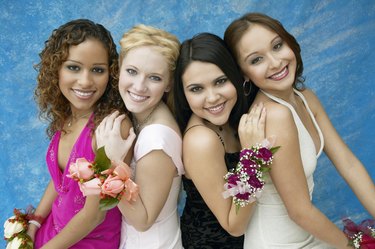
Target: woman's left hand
[[251, 129]]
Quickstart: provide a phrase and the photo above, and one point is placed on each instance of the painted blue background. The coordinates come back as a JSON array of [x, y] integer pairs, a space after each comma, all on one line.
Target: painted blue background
[[337, 39]]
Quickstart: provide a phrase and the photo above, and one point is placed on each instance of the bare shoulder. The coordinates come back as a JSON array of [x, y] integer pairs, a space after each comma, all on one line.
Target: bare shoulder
[[165, 117], [199, 137], [311, 98], [202, 150], [279, 120], [277, 112]]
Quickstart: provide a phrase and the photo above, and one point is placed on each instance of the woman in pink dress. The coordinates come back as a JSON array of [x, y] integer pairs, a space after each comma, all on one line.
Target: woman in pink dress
[[76, 88]]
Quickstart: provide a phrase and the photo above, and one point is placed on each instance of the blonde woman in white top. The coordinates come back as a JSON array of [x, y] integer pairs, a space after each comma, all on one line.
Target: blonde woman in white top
[[147, 63]]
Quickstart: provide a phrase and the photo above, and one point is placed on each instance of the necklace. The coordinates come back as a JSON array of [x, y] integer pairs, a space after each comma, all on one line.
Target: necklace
[[138, 125], [76, 118]]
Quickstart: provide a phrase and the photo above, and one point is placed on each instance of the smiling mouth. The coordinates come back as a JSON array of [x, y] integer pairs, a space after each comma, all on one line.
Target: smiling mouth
[[136, 97], [280, 75], [216, 109], [83, 94]]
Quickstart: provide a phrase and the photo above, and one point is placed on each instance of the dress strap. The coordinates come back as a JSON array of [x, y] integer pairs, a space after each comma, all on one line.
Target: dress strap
[[295, 115], [313, 119], [221, 139]]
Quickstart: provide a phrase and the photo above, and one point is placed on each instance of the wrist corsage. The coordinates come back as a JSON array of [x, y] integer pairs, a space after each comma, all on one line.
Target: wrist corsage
[[360, 236], [15, 229], [110, 180], [245, 182]]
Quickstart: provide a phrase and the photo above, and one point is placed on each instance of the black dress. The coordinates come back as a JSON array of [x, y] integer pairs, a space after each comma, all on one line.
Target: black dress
[[199, 227]]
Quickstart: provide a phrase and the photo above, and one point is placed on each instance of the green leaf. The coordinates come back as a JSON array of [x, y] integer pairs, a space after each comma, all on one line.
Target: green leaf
[[101, 160], [108, 203], [265, 169], [274, 149], [237, 208]]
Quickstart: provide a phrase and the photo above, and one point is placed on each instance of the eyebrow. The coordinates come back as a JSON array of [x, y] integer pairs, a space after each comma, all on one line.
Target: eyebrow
[[272, 41], [213, 81], [104, 63]]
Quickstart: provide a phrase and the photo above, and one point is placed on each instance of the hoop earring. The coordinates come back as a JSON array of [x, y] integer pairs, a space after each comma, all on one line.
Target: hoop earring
[[246, 91]]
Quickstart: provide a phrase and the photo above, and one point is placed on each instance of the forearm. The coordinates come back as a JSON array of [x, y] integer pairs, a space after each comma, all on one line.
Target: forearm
[[362, 185], [317, 224], [239, 220], [44, 207], [45, 204], [79, 226], [136, 214]]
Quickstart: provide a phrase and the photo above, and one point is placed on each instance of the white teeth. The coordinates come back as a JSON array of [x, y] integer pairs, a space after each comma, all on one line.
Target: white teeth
[[83, 94], [137, 97], [279, 75], [216, 108]]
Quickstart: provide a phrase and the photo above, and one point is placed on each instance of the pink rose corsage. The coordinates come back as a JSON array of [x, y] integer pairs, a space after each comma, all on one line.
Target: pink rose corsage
[[360, 236], [110, 180], [245, 182]]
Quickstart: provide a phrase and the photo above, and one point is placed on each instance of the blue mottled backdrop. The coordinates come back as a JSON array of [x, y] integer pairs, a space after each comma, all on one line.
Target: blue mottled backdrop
[[337, 39]]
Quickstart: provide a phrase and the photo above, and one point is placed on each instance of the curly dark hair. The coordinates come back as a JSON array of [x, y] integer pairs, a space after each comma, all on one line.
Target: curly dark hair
[[53, 106]]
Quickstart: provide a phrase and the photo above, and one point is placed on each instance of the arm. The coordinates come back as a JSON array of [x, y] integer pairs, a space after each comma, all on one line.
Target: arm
[[290, 181], [206, 169], [89, 217], [44, 207], [154, 175], [347, 164], [79, 226]]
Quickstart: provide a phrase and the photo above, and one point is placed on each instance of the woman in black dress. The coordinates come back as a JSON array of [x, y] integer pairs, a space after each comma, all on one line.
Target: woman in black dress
[[209, 103]]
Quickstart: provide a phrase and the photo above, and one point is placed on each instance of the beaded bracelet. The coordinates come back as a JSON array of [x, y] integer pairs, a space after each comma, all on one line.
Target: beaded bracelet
[[36, 223], [37, 218]]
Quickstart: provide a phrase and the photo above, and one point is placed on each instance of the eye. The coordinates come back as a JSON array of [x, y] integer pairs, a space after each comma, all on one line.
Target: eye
[[221, 81], [256, 60], [131, 71], [278, 46], [195, 89], [73, 67], [155, 78], [98, 70]]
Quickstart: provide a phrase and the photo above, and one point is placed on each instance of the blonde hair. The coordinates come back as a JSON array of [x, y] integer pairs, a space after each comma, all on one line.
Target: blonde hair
[[164, 42]]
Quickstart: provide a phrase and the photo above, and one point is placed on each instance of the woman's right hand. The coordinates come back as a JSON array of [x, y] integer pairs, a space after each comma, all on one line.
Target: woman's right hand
[[251, 129], [108, 134]]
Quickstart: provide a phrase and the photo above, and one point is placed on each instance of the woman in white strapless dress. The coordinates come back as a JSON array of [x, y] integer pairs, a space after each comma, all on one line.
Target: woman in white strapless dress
[[284, 215]]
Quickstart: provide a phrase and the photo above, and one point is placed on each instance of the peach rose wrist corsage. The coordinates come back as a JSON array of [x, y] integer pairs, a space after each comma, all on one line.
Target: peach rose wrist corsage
[[110, 180]]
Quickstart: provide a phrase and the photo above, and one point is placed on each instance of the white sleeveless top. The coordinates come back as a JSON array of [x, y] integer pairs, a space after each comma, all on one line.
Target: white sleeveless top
[[270, 226], [165, 232]]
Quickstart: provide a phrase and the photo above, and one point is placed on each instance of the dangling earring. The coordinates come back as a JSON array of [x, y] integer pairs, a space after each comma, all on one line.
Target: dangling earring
[[245, 90]]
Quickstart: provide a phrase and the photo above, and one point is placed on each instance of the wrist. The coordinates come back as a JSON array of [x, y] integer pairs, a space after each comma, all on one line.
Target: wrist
[[35, 224]]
